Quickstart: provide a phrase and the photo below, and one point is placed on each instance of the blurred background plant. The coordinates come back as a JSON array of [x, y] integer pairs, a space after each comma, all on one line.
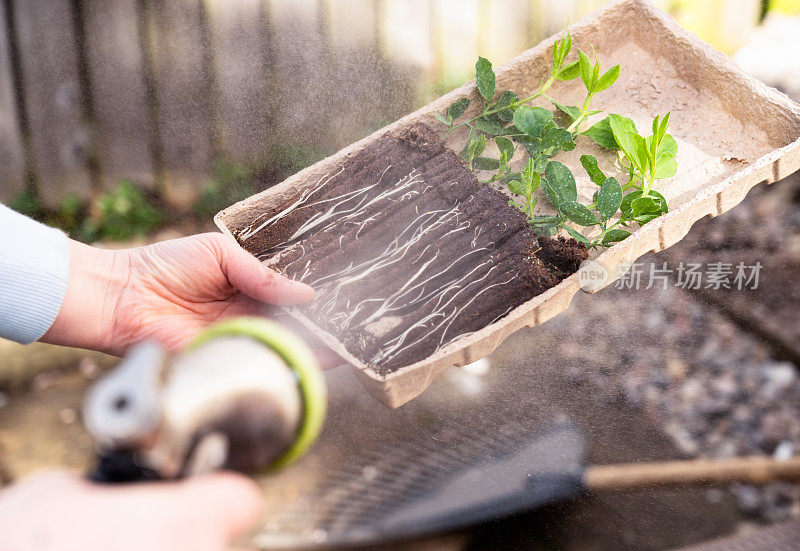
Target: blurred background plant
[[229, 183], [123, 213]]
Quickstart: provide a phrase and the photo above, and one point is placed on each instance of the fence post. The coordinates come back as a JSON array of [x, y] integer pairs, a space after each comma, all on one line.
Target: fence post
[[12, 141], [60, 136]]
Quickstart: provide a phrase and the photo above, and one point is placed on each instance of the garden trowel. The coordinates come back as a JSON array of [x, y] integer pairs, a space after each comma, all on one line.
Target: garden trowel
[[471, 476]]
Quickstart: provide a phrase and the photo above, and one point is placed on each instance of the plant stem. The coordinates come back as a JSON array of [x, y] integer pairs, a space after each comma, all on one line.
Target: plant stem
[[585, 109], [513, 105], [599, 238]]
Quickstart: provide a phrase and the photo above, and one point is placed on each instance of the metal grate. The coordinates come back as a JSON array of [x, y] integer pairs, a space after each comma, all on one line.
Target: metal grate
[[354, 496]]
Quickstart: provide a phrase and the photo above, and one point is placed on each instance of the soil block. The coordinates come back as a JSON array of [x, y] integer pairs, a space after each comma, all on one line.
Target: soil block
[[407, 251]]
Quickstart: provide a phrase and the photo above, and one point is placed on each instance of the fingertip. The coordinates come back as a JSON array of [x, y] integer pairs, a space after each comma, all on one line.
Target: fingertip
[[232, 500], [300, 292], [282, 291]]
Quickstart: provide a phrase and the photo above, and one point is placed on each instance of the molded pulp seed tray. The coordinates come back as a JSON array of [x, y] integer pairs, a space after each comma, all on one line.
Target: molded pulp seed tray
[[733, 133]]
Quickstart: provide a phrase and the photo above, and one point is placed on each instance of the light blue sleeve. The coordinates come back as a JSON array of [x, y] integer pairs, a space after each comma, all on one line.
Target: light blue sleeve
[[34, 269]]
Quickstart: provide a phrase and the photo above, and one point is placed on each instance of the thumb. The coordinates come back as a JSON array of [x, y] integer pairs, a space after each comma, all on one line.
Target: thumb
[[247, 274], [229, 501]]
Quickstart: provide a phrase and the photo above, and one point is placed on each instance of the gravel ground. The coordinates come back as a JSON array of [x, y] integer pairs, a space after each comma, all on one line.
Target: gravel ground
[[716, 390]]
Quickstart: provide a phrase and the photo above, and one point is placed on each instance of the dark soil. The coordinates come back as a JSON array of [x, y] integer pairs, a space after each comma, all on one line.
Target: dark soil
[[407, 251]]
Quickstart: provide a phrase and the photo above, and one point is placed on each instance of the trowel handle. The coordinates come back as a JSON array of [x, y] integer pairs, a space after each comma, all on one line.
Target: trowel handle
[[698, 472]]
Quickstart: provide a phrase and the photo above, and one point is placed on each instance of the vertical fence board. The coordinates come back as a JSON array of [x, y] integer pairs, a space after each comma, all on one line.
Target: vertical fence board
[[367, 90], [184, 99], [116, 71], [556, 15], [460, 37], [407, 32], [299, 70], [59, 133], [12, 155], [509, 29], [240, 45], [351, 23]]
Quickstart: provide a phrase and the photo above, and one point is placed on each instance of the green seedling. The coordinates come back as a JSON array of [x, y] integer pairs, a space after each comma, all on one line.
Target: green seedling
[[512, 123], [594, 83], [528, 182]]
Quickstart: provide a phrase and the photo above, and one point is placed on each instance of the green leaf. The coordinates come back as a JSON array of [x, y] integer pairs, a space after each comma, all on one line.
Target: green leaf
[[485, 163], [547, 230], [615, 235], [490, 126], [644, 209], [531, 120], [474, 146], [595, 75], [609, 78], [622, 128], [541, 164], [639, 149], [508, 176], [551, 193], [602, 134], [440, 118], [515, 186], [570, 71], [666, 166], [536, 181], [644, 205], [565, 47], [577, 236], [621, 123], [505, 99], [512, 130], [585, 68], [479, 145], [609, 198], [484, 75], [553, 136], [668, 145], [457, 108], [578, 213], [589, 163], [504, 144], [662, 130], [569, 110], [627, 201], [530, 176], [560, 179]]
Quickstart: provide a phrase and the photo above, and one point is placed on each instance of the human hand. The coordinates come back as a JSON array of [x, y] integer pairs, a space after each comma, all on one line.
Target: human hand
[[58, 512], [167, 292]]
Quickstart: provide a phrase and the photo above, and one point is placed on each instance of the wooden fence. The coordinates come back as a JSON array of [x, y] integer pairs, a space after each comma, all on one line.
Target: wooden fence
[[92, 91]]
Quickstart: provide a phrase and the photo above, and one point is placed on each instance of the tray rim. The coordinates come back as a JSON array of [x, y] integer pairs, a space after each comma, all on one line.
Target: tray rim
[[655, 236]]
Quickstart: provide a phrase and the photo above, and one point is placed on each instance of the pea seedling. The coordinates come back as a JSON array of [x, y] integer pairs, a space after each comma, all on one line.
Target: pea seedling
[[513, 123]]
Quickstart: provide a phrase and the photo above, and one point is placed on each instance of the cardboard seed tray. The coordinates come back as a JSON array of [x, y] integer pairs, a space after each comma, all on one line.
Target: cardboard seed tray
[[733, 133]]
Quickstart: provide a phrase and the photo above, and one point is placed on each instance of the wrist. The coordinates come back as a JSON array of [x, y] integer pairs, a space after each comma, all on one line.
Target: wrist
[[86, 317]]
